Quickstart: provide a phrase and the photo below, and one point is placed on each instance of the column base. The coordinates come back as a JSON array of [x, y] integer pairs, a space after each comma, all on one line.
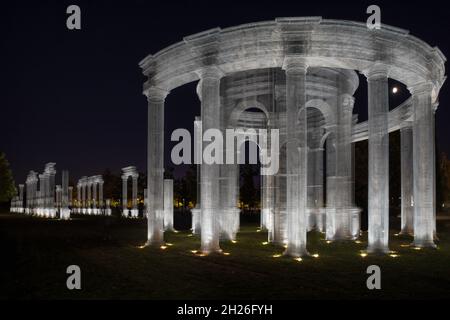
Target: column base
[[424, 244], [210, 251], [279, 234], [108, 212], [342, 223], [296, 251], [229, 223], [196, 217], [377, 249], [153, 243], [406, 233], [265, 216]]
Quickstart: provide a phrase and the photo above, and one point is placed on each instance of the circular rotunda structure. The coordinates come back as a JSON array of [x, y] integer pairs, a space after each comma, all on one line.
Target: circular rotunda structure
[[298, 76]]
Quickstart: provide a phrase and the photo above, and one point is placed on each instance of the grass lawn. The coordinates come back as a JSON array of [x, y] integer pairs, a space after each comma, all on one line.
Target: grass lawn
[[36, 252]]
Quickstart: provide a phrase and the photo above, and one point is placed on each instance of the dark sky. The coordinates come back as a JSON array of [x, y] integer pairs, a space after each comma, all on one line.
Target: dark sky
[[74, 97]]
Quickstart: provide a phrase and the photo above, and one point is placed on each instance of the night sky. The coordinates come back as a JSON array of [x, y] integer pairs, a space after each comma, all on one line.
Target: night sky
[[74, 97]]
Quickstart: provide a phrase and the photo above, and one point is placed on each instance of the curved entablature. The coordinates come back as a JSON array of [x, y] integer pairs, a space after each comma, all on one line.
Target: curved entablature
[[321, 83], [320, 42]]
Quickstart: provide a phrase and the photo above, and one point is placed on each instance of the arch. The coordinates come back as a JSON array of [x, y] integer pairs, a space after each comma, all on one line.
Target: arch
[[241, 106], [324, 138], [324, 108]]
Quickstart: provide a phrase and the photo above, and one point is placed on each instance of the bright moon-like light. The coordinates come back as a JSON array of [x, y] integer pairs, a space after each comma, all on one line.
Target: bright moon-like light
[[394, 90]]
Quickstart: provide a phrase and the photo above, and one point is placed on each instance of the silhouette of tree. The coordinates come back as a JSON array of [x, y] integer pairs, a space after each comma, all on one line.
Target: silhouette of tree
[[7, 184], [443, 197], [112, 188]]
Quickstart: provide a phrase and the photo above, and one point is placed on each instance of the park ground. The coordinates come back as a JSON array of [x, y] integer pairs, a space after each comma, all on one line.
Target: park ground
[[36, 252]]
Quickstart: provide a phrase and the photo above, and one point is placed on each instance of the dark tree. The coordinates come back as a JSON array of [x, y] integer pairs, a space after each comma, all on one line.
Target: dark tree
[[112, 188], [443, 181], [7, 185]]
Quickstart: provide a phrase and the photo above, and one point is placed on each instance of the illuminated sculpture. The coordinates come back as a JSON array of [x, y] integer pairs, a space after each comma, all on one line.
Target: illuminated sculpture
[[82, 195], [97, 194], [300, 75], [58, 194], [126, 173], [90, 195], [31, 195], [168, 205], [64, 212], [41, 195], [50, 172], [20, 207], [41, 202], [89, 199]]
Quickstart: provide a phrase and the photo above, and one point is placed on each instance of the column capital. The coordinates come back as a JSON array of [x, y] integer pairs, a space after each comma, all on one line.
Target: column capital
[[293, 63], [375, 71], [406, 125], [156, 94], [210, 72]]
